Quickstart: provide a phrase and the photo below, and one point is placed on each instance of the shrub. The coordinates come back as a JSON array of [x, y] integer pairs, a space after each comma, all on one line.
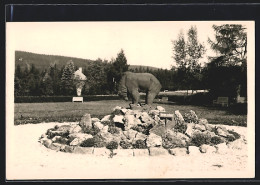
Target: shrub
[[112, 145], [88, 143], [113, 130], [216, 140], [180, 128], [125, 144], [230, 138], [140, 144], [199, 139], [235, 134], [109, 123], [190, 117], [91, 130], [36, 99], [99, 141]]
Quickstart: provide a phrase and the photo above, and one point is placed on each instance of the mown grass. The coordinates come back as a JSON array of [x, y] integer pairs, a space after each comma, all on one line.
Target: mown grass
[[68, 111]]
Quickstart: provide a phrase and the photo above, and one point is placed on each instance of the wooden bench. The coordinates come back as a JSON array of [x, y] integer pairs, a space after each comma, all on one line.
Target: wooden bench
[[223, 101], [77, 99]]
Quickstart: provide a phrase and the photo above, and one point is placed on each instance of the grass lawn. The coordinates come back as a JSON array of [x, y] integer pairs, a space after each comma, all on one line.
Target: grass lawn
[[68, 111]]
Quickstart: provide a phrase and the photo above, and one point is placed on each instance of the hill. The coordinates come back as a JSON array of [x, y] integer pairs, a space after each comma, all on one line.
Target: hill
[[133, 67], [42, 61]]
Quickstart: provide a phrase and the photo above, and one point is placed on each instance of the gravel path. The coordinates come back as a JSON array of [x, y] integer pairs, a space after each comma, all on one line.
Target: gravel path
[[28, 159]]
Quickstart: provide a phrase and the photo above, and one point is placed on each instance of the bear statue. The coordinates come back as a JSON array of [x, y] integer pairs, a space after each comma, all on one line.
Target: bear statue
[[131, 83]]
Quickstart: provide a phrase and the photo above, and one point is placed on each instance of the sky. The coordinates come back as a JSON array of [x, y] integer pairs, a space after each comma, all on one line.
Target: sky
[[144, 43]]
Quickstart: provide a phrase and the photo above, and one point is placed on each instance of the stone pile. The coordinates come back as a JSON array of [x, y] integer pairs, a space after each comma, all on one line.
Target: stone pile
[[127, 132]]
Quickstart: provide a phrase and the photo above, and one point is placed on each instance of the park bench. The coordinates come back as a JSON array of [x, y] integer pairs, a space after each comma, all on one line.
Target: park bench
[[223, 101], [77, 99]]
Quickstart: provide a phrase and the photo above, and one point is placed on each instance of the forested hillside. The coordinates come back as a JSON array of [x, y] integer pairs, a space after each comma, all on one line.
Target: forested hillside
[[42, 62]]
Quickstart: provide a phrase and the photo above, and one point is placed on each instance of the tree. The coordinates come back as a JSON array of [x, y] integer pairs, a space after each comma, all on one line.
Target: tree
[[67, 85], [230, 44], [96, 77], [120, 65], [187, 55], [116, 70], [54, 75], [180, 51], [230, 64]]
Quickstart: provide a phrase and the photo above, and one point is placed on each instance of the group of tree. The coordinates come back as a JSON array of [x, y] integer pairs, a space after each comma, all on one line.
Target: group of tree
[[224, 74], [102, 78]]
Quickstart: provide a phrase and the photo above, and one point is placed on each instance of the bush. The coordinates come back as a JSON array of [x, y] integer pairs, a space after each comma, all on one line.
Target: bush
[[235, 134], [230, 138], [216, 140], [37, 99], [91, 130], [125, 144], [109, 123], [88, 143], [190, 117], [199, 139], [113, 130], [140, 144], [112, 145], [180, 128], [99, 141]]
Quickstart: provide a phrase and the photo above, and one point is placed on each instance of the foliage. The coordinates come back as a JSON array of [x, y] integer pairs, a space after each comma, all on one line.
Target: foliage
[[190, 117], [230, 43], [199, 139], [99, 141], [125, 144], [215, 140], [180, 128], [113, 130], [88, 143], [230, 64], [139, 144], [67, 85], [235, 134], [186, 55], [91, 130], [112, 145], [171, 141], [35, 99], [96, 74], [116, 70], [225, 80]]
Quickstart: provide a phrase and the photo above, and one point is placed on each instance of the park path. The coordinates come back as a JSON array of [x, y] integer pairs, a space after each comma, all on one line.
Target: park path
[[28, 159]]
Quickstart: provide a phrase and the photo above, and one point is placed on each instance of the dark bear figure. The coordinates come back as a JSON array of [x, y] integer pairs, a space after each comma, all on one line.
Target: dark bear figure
[[133, 82]]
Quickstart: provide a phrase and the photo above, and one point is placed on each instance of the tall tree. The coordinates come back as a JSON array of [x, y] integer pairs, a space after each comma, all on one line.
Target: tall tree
[[230, 44], [67, 85], [96, 77], [120, 65], [187, 55], [180, 51], [230, 64], [117, 68]]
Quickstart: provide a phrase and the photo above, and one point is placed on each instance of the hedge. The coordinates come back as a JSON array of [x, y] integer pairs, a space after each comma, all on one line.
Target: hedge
[[199, 98], [195, 99], [40, 99]]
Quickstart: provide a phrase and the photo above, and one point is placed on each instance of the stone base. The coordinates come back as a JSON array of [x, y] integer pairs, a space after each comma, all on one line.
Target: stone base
[[141, 152], [154, 151]]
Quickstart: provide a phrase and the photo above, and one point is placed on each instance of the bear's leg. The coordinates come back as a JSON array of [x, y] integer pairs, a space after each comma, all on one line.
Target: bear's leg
[[135, 96], [150, 97]]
